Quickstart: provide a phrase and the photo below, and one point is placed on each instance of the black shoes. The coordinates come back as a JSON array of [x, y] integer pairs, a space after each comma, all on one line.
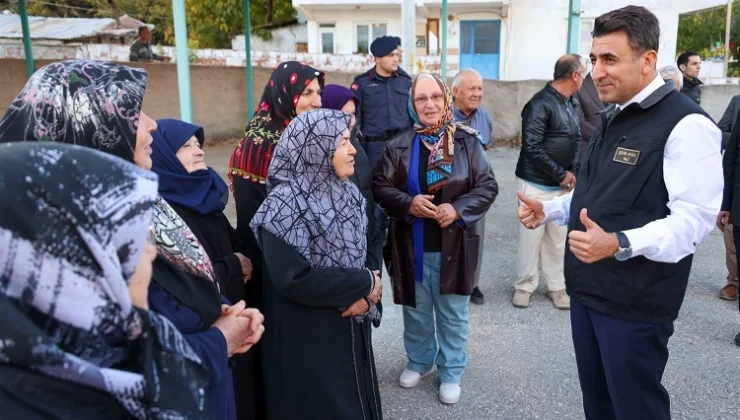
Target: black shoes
[[477, 297], [737, 340]]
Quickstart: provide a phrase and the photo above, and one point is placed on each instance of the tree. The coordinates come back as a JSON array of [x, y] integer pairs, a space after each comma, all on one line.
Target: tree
[[62, 8], [215, 22], [704, 31], [211, 23]]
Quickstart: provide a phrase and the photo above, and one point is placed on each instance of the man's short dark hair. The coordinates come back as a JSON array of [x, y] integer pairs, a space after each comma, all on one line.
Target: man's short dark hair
[[638, 23], [567, 65], [685, 56], [142, 29]]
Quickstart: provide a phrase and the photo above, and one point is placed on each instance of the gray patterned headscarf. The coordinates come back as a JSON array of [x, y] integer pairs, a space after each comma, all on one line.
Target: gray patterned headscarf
[[73, 228], [310, 208]]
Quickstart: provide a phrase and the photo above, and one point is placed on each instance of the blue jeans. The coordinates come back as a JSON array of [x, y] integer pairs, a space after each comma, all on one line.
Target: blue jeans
[[452, 326]]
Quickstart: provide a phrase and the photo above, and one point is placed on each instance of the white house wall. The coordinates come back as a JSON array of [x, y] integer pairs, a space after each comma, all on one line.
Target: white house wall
[[283, 39], [533, 32], [345, 35], [539, 30]]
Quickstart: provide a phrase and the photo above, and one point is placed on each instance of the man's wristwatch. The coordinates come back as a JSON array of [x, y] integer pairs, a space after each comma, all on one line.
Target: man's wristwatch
[[625, 249]]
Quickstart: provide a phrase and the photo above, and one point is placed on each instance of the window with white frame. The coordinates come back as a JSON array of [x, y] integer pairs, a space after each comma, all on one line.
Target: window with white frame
[[327, 32], [366, 34], [587, 26]]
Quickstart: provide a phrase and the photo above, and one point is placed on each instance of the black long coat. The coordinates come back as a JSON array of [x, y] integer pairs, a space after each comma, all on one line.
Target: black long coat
[[316, 364], [220, 241]]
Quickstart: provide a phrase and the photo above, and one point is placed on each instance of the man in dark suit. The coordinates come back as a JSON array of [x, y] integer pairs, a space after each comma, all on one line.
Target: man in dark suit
[[728, 216], [727, 122], [730, 290], [589, 113]]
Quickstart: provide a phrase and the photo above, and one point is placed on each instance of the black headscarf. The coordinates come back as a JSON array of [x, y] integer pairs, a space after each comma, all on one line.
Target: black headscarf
[[73, 229]]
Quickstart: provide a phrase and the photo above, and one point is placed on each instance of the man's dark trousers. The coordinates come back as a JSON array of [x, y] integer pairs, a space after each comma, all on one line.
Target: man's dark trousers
[[620, 365], [374, 150], [736, 232]]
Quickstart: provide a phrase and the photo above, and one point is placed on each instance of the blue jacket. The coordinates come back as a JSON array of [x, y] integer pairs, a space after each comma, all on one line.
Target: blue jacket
[[383, 102], [210, 345]]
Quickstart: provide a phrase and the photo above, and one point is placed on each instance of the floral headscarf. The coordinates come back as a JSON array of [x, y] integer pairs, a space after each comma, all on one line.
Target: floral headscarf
[[73, 229], [251, 158], [441, 135], [97, 104], [89, 103]]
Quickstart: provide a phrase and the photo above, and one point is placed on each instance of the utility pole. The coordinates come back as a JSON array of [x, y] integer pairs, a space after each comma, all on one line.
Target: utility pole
[[248, 47], [27, 49], [727, 38], [114, 6], [574, 26], [183, 60], [408, 39], [443, 47]]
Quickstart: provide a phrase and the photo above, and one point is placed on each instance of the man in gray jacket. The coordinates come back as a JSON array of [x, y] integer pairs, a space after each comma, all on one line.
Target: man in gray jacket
[[467, 92]]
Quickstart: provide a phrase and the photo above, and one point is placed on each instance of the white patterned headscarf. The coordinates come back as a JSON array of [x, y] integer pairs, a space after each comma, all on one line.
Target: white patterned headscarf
[[73, 228], [308, 206]]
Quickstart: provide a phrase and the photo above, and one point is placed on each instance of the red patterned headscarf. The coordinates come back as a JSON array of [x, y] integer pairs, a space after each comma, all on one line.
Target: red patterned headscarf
[[277, 108]]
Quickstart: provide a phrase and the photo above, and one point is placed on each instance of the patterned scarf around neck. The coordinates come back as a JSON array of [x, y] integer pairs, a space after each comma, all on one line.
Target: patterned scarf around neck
[[178, 244], [440, 135]]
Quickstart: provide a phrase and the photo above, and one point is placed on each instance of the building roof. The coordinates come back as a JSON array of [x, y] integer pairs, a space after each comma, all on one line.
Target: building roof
[[67, 29]]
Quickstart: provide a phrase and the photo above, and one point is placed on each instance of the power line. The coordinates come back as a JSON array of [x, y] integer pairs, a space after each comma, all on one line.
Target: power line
[[105, 11]]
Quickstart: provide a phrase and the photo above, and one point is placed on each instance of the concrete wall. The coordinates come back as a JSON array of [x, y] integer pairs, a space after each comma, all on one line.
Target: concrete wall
[[219, 96], [283, 39]]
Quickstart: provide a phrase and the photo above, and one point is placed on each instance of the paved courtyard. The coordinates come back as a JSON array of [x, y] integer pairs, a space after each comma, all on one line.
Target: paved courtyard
[[521, 361]]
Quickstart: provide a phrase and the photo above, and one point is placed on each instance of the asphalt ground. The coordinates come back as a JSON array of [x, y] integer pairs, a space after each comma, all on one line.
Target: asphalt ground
[[521, 361]]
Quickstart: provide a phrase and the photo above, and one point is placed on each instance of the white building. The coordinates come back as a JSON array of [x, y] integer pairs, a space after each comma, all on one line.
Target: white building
[[505, 39]]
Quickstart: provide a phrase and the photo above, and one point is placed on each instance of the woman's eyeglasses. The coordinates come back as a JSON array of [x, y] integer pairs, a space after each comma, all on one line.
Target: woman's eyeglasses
[[422, 100]]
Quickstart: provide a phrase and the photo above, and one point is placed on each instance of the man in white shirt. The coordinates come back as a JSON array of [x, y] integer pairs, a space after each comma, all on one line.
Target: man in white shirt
[[648, 192]]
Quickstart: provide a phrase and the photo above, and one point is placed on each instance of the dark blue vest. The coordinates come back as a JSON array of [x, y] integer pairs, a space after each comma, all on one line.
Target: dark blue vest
[[621, 184]]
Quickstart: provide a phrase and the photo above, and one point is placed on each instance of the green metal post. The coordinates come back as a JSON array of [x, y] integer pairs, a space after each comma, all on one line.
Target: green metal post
[[443, 60], [574, 26], [27, 49], [183, 60], [248, 47]]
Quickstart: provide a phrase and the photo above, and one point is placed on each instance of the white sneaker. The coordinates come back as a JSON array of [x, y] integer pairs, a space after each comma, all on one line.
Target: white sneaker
[[410, 379], [449, 393]]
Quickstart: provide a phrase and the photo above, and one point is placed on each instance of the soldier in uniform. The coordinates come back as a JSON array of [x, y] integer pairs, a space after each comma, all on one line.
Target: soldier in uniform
[[383, 94]]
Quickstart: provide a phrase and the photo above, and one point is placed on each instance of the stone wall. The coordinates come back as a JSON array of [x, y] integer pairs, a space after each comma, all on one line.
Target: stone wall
[[219, 96], [353, 63]]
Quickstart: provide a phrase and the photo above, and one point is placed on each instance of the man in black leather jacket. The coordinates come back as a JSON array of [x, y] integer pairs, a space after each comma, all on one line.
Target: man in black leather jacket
[[549, 159]]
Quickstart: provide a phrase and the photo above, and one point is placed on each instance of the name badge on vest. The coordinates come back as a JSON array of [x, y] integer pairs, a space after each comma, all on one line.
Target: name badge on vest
[[626, 156]]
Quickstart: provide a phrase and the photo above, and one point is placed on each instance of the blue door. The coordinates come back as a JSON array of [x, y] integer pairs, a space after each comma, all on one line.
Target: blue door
[[479, 46]]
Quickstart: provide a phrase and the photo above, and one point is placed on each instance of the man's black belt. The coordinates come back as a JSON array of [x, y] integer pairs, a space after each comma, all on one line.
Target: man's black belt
[[385, 136]]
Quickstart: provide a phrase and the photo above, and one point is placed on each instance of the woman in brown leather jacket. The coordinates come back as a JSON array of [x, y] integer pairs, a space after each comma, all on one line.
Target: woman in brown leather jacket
[[435, 183]]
